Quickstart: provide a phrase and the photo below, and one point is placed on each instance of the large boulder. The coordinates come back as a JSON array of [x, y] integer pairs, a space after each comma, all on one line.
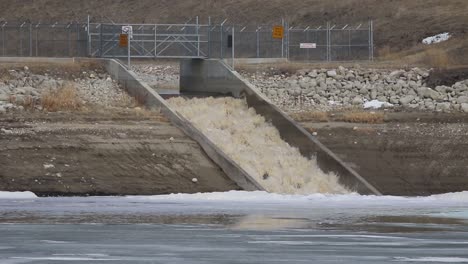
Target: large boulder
[[406, 100], [443, 107], [425, 92], [331, 73], [462, 99], [464, 107]]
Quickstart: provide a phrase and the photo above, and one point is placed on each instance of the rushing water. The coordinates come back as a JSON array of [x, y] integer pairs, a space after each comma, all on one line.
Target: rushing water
[[235, 227], [256, 146]]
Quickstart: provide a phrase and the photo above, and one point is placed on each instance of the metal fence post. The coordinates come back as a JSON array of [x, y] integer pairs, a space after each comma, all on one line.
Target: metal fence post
[[282, 39], [209, 37], [21, 40], [100, 40], [288, 39], [371, 40], [349, 43], [221, 43], [155, 41], [258, 41], [30, 39], [198, 38], [328, 42], [88, 38], [233, 46], [69, 40], [3, 40]]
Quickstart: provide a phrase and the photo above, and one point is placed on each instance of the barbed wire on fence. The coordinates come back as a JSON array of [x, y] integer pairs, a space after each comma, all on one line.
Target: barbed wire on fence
[[189, 39]]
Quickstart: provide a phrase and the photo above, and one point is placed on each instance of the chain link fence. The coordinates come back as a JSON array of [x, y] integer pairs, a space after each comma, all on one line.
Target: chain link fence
[[43, 40], [323, 43]]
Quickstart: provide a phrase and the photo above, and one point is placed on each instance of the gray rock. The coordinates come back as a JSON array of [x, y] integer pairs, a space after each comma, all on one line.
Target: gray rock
[[357, 101], [443, 107], [441, 89], [425, 92], [4, 97], [363, 91], [406, 99], [464, 107], [462, 99], [373, 94], [394, 100], [331, 73], [19, 91], [382, 98], [396, 74], [48, 85]]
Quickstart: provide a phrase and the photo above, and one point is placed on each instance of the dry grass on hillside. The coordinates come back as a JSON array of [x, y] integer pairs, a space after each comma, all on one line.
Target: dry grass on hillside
[[62, 99], [362, 117], [311, 116], [345, 115]]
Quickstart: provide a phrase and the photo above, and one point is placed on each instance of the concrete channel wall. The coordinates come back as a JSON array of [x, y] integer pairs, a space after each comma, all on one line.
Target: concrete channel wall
[[147, 96], [214, 76]]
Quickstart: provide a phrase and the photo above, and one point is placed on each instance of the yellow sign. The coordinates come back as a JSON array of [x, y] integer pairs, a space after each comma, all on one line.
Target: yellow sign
[[123, 40], [278, 32]]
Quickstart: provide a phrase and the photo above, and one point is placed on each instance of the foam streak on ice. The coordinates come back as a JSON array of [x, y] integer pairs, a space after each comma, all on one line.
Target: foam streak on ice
[[256, 146]]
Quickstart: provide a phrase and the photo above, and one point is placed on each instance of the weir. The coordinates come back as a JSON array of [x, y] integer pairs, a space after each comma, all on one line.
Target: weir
[[216, 77], [203, 77]]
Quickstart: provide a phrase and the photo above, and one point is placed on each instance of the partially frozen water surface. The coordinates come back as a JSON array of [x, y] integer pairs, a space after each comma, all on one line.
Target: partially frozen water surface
[[235, 227]]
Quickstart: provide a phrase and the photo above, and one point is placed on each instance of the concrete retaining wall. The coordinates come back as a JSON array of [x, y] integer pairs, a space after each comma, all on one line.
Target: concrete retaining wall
[[151, 99], [216, 77]]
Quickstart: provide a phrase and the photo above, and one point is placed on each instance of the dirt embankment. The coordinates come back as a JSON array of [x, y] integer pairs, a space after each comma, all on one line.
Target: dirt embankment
[[408, 154], [102, 153], [76, 132]]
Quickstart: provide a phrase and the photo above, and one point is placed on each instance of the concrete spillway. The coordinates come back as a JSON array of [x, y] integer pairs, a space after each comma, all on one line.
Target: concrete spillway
[[214, 77], [256, 146]]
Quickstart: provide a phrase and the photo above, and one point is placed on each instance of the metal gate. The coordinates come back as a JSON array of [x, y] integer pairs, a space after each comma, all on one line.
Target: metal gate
[[150, 40]]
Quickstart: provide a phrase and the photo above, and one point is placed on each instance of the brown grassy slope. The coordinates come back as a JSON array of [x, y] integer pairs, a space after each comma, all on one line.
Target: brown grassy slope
[[399, 24]]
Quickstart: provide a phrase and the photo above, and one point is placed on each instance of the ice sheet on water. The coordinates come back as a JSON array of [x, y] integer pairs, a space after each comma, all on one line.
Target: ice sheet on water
[[433, 259], [353, 198], [17, 195]]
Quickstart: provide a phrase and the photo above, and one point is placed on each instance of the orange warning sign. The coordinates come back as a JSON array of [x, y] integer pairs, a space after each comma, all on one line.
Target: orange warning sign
[[278, 32], [123, 40]]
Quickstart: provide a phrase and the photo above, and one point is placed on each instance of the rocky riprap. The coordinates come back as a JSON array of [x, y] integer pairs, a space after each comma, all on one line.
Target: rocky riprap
[[23, 86], [326, 89], [158, 76]]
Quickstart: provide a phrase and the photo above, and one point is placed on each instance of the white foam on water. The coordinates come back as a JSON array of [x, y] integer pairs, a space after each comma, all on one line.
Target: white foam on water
[[433, 259], [256, 146], [17, 195]]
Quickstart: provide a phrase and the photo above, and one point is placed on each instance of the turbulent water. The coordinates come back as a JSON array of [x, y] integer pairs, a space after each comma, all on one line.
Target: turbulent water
[[256, 146]]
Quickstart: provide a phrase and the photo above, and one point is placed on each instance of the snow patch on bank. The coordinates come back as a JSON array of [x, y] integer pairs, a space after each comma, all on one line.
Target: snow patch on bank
[[436, 38], [17, 195], [376, 104]]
